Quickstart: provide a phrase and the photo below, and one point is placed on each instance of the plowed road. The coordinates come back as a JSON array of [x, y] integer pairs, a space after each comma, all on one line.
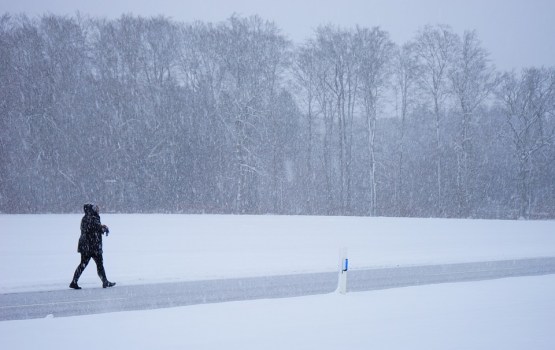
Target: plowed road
[[59, 303]]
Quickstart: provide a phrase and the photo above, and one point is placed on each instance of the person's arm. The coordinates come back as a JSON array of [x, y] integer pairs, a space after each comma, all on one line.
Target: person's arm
[[96, 226]]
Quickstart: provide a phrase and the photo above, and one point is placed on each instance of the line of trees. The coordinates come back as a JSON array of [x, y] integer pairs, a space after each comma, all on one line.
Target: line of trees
[[152, 115]]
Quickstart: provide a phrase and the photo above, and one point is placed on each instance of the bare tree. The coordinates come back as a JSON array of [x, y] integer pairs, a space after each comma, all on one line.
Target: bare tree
[[305, 74], [405, 69], [339, 55], [374, 51], [254, 56], [473, 79], [529, 105], [435, 47], [202, 69], [328, 114]]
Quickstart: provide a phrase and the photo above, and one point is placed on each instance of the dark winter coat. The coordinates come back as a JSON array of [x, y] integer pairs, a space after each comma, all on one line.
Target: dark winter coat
[[90, 242]]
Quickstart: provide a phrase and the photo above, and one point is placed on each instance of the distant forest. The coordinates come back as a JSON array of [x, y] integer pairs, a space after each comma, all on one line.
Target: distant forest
[[147, 115]]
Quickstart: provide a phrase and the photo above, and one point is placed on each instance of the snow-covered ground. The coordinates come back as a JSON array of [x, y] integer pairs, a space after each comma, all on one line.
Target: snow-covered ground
[[514, 313], [37, 252]]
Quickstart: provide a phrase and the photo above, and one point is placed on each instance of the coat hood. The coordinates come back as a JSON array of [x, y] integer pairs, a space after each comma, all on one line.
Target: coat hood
[[89, 209]]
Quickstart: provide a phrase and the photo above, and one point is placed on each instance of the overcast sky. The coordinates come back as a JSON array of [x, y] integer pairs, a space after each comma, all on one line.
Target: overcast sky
[[517, 33]]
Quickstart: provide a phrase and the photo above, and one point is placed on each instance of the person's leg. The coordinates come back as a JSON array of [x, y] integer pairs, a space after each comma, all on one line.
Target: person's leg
[[100, 267], [101, 272], [79, 270]]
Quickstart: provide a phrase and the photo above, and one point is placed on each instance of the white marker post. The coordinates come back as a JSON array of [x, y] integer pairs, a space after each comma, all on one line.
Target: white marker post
[[344, 267]]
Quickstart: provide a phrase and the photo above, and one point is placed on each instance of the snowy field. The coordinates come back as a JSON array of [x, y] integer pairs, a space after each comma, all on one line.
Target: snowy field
[[38, 252], [512, 313]]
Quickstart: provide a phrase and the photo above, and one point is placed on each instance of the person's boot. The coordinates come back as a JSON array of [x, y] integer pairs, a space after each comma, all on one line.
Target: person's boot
[[74, 285], [108, 284]]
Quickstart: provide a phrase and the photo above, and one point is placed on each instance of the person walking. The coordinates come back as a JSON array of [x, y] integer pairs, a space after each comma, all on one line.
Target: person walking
[[90, 245]]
